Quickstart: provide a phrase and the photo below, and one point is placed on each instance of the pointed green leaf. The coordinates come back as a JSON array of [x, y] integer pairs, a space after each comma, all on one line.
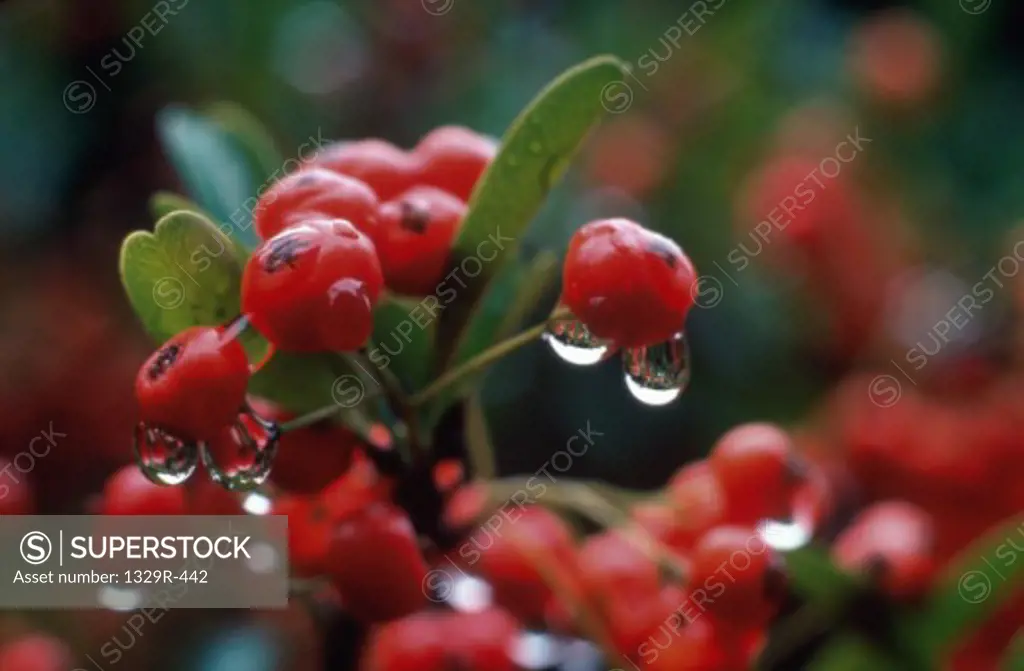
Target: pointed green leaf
[[213, 168], [813, 575], [163, 203], [534, 154], [250, 135], [185, 273], [478, 440]]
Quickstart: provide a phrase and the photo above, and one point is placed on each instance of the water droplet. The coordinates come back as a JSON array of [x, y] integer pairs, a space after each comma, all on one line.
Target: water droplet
[[658, 374], [572, 341], [240, 458], [162, 457], [785, 535]]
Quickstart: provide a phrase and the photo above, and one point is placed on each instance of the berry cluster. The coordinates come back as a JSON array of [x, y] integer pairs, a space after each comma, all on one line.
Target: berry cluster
[[362, 217], [687, 581]]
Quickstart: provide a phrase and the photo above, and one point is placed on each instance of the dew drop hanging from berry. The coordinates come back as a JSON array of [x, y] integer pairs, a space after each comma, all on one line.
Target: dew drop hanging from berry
[[241, 456], [572, 341], [658, 374], [162, 457]]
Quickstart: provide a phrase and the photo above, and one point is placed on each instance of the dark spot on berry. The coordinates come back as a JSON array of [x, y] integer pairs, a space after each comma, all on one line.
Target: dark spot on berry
[[415, 217], [164, 360], [283, 252], [662, 249]]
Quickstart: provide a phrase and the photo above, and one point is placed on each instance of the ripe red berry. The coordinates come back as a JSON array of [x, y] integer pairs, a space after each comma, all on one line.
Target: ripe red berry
[[759, 472], [413, 643], [739, 576], [626, 283], [314, 190], [415, 233], [893, 542], [699, 502], [309, 533], [376, 565], [313, 286], [129, 492], [506, 557], [194, 385], [453, 158], [384, 167]]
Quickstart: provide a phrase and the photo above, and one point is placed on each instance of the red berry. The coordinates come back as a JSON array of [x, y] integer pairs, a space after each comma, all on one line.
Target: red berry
[[626, 283], [376, 565], [737, 576], [415, 237], [194, 385], [698, 646], [699, 502], [315, 190], [129, 492], [313, 286], [384, 167], [36, 652], [506, 556], [453, 158], [482, 640], [309, 534], [893, 542], [310, 458], [758, 470], [414, 643]]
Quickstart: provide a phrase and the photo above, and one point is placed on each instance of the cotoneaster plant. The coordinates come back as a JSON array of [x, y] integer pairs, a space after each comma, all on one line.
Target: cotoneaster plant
[[268, 377]]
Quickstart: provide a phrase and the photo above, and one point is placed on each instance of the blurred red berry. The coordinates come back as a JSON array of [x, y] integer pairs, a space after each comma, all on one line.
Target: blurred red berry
[[758, 470], [376, 565], [699, 502], [129, 492], [36, 652], [892, 542]]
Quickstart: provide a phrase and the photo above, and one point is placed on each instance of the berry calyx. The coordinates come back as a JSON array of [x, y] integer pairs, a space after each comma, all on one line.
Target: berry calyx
[[314, 190], [626, 283], [415, 235], [313, 286], [195, 383]]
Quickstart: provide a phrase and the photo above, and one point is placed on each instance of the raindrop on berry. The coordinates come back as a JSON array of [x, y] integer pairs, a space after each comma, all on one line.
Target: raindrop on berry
[[162, 457], [658, 374], [241, 457], [573, 342]]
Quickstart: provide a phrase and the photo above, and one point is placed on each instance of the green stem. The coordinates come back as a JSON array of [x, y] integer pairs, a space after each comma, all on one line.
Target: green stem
[[489, 356], [319, 415]]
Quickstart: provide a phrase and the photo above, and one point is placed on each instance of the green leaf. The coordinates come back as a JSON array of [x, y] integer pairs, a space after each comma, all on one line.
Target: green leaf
[[813, 575], [214, 169], [306, 382], [163, 203], [185, 273], [533, 157], [403, 339], [973, 587], [250, 135]]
